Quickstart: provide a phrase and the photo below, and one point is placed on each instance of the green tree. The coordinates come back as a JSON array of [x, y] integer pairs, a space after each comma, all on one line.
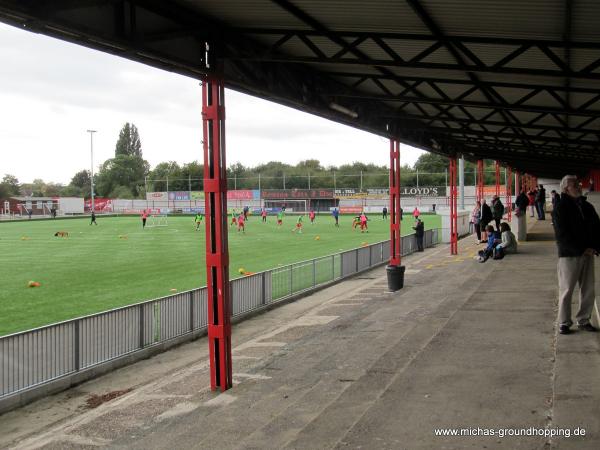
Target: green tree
[[129, 143], [128, 171], [194, 172], [172, 171], [11, 184], [81, 183], [81, 179], [72, 191], [4, 191]]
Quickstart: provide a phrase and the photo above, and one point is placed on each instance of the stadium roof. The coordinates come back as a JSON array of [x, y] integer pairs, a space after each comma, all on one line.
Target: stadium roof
[[513, 80]]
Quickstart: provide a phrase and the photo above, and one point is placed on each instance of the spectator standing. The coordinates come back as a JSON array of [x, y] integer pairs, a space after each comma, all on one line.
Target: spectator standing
[[576, 226], [419, 234], [497, 211], [554, 198], [531, 196], [476, 219], [522, 202], [540, 202], [486, 218]]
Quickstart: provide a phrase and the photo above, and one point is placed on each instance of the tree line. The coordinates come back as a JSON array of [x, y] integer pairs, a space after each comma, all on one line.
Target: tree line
[[128, 175]]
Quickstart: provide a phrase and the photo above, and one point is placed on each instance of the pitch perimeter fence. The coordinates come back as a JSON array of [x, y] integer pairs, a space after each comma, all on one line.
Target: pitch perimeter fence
[[48, 359]]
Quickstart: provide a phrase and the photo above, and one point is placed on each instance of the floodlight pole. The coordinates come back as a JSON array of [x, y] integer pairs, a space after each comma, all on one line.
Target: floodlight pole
[[92, 166]]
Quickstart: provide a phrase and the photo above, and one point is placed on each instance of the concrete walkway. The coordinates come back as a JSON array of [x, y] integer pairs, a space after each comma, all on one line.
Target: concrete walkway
[[463, 346]]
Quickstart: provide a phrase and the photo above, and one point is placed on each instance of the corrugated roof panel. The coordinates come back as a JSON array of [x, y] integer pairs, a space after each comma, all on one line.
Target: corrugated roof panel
[[440, 56], [577, 99], [490, 54], [512, 95], [245, 13], [453, 90], [408, 49], [520, 78], [533, 58], [582, 57], [585, 21], [507, 18], [358, 15], [428, 91], [429, 73]]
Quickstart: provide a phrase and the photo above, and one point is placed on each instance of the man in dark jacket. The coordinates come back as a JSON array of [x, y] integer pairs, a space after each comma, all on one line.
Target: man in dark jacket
[[486, 217], [497, 211], [522, 202], [540, 202], [576, 225], [419, 234]]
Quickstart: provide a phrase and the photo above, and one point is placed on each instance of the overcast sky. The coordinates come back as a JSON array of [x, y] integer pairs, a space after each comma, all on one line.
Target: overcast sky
[[52, 91]]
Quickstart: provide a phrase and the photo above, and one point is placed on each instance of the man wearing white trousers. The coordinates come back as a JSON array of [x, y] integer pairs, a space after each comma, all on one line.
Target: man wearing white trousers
[[577, 229]]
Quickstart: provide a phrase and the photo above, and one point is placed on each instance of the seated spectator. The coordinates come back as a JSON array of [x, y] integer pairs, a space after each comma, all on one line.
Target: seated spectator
[[493, 241], [508, 244]]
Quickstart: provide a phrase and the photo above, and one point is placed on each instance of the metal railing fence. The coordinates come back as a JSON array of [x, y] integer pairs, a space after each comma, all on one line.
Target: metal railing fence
[[36, 357]]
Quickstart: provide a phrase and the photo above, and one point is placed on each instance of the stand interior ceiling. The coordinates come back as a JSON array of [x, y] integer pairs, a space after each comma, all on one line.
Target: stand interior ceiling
[[516, 81]]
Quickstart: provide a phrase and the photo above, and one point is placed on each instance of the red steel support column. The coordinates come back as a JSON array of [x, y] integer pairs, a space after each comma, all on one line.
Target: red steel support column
[[217, 250], [480, 180], [498, 178], [508, 202], [395, 223], [453, 208]]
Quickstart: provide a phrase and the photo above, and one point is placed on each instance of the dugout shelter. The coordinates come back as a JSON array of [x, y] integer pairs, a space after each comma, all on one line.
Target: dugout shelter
[[513, 81]]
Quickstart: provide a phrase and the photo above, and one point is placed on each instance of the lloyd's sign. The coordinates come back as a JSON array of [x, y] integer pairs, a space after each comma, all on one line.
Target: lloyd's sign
[[423, 191], [408, 191]]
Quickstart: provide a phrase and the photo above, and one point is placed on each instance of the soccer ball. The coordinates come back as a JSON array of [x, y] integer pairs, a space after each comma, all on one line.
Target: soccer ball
[[33, 284], [317, 238], [241, 270]]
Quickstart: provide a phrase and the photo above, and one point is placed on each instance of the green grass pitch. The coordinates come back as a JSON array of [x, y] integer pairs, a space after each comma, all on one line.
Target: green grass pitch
[[117, 263]]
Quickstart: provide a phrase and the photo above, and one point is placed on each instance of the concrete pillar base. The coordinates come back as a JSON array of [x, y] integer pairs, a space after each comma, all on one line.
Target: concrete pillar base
[[520, 226]]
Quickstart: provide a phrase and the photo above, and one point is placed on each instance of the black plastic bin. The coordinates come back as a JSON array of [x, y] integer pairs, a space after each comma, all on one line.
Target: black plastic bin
[[395, 277]]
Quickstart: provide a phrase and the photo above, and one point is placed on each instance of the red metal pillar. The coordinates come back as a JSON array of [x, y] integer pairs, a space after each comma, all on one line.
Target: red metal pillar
[[480, 179], [217, 250], [498, 178], [453, 208], [508, 201], [395, 223]]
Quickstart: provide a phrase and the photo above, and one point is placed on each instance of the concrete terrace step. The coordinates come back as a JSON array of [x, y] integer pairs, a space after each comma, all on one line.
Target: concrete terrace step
[[463, 345]]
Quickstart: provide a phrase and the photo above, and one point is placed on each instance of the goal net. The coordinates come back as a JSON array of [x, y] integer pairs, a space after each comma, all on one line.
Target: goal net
[[157, 220]]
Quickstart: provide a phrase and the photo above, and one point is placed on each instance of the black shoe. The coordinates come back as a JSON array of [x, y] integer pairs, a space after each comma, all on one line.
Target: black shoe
[[588, 327], [564, 329]]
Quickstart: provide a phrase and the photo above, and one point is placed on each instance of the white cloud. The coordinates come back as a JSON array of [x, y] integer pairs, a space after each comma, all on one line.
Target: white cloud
[[52, 92]]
